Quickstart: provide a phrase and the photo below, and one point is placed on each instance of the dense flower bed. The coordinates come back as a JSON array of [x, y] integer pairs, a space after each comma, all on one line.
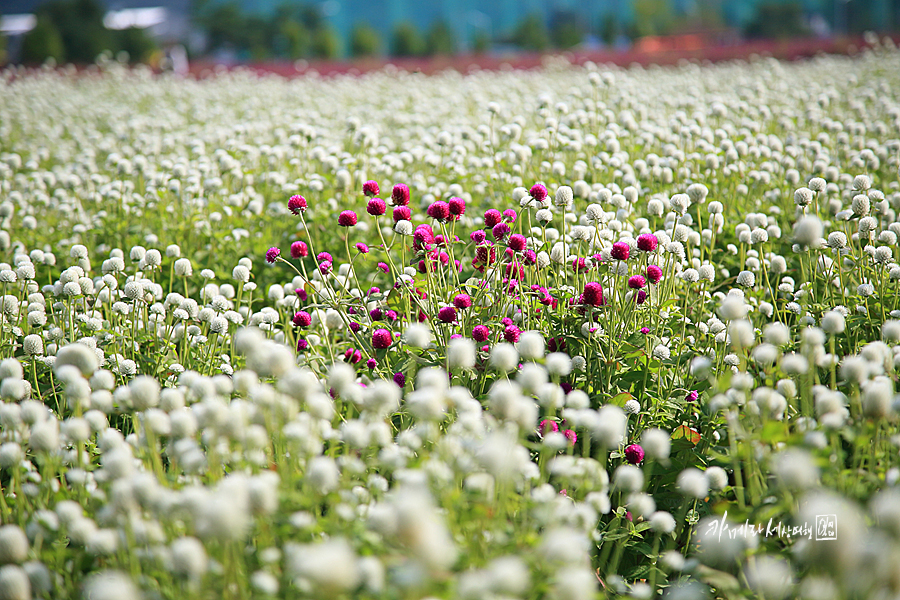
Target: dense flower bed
[[555, 334]]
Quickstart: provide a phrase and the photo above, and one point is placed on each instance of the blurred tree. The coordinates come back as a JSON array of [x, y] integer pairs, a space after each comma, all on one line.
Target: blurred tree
[[364, 40], [139, 46], [776, 21], [440, 40], [407, 41], [609, 29], [325, 43], [531, 34], [652, 17], [566, 31], [80, 27], [292, 40], [42, 42], [481, 42]]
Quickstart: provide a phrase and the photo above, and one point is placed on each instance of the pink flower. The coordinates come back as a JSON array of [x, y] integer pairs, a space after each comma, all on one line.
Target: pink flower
[[517, 242], [636, 282], [439, 210], [571, 436], [347, 218], [363, 249], [302, 345], [640, 297], [634, 454], [620, 251], [324, 256], [400, 379], [302, 319], [492, 217], [447, 314], [381, 339], [538, 192], [457, 206], [462, 301], [370, 188], [654, 274], [511, 334], [478, 236], [325, 267], [402, 213], [272, 254], [500, 231], [510, 215], [400, 194], [647, 242], [547, 426], [376, 207], [384, 267], [481, 333], [371, 363], [593, 294], [299, 249], [297, 204], [301, 293]]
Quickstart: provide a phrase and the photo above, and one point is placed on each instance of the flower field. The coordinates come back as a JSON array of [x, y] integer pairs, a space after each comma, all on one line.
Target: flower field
[[570, 333]]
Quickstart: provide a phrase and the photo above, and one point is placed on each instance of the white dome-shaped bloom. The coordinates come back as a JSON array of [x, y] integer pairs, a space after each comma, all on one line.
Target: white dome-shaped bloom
[[770, 577], [861, 183], [860, 205], [628, 478], [564, 197], [14, 583], [241, 274], [795, 469], [461, 353], [111, 585], [417, 335], [837, 240], [189, 558], [746, 279], [504, 357], [833, 322], [717, 478], [33, 345], [692, 483], [803, 197], [817, 184], [662, 522], [13, 545], [183, 267], [807, 230], [707, 272], [559, 364], [531, 345], [656, 443]]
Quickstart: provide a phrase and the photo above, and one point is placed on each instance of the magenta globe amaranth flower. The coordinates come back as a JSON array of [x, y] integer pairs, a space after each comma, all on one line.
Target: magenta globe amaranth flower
[[402, 213], [376, 207], [647, 242], [634, 454], [692, 396], [593, 294], [511, 334], [457, 206], [478, 236], [302, 345], [439, 210], [654, 274], [400, 195], [362, 248], [371, 189], [447, 314], [480, 333], [302, 319], [571, 436], [636, 282], [371, 363], [500, 231], [400, 379], [547, 426], [347, 218], [462, 301], [272, 254], [299, 249], [297, 204], [510, 215], [517, 242], [620, 251], [538, 192], [381, 339], [492, 217]]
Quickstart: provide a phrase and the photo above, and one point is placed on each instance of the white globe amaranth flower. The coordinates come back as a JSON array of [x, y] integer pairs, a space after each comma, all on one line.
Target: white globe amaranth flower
[[504, 357], [808, 230], [183, 267], [461, 353], [418, 335], [564, 197], [531, 345], [692, 483]]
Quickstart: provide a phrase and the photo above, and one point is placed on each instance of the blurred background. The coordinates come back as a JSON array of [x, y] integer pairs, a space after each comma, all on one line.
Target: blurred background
[[178, 34]]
